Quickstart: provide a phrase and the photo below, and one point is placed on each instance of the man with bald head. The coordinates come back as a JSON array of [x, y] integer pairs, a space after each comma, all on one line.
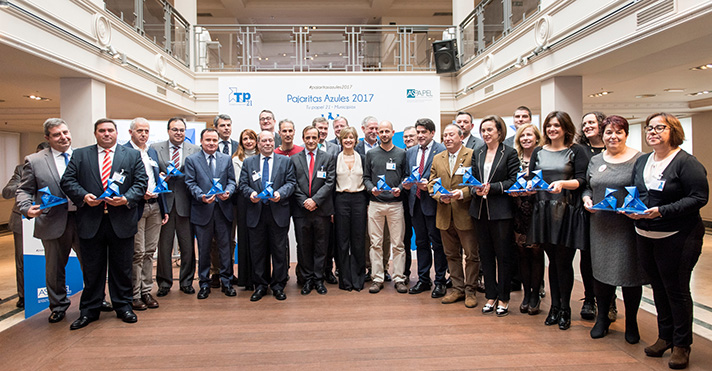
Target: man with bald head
[[388, 162]]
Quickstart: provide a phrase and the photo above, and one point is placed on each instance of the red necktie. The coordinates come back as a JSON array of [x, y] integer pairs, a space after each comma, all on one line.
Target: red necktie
[[106, 168], [176, 157], [420, 169], [311, 170]]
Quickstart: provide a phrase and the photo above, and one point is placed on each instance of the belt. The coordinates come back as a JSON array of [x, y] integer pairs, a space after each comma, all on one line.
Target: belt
[[151, 200]]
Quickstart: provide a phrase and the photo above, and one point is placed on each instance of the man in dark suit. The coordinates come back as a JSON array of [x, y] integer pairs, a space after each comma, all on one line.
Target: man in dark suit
[[423, 209], [175, 150], [15, 225], [151, 216], [211, 215], [106, 226], [322, 125], [56, 226], [464, 121], [338, 124], [267, 123], [522, 115], [370, 136], [269, 219], [313, 206]]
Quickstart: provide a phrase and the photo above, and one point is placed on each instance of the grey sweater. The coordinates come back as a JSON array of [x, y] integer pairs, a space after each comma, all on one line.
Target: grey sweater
[[376, 160]]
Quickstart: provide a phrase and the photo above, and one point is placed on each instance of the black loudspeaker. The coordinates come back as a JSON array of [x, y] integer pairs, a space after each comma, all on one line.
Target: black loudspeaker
[[446, 59]]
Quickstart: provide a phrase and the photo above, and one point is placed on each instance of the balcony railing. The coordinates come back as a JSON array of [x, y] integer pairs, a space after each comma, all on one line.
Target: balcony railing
[[315, 48], [158, 21], [490, 21]]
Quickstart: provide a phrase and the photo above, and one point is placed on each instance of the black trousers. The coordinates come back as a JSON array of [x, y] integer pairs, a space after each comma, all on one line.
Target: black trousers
[[350, 218], [669, 263], [312, 233], [218, 227], [268, 240], [429, 246], [497, 254], [244, 260], [407, 239], [105, 247]]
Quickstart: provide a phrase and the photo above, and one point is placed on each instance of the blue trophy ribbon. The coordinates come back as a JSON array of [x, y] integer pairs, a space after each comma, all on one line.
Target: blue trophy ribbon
[[381, 184], [538, 182], [161, 185], [520, 185], [266, 193], [632, 203], [438, 188], [608, 203], [414, 176], [216, 188], [50, 200], [173, 170], [112, 190], [468, 179]]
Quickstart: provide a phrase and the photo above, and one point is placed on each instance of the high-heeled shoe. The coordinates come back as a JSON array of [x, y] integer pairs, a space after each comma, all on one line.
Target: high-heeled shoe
[[600, 329], [534, 308], [553, 317], [524, 307], [657, 349], [502, 310], [489, 308], [564, 319]]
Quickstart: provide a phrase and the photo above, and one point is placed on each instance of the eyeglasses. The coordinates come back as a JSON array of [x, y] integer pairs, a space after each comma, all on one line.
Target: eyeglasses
[[266, 118], [176, 130], [658, 129]]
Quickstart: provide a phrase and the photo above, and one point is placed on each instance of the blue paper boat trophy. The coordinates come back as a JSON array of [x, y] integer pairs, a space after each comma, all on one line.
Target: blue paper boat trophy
[[468, 180], [438, 188], [608, 203], [161, 186], [520, 185], [414, 176], [112, 190], [266, 193], [217, 188], [538, 182], [381, 184], [173, 170], [49, 200], [632, 203]]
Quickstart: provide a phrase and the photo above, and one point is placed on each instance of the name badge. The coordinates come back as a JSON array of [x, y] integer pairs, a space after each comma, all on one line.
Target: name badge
[[256, 176], [390, 165], [119, 177], [153, 163], [460, 171], [659, 185], [321, 174]]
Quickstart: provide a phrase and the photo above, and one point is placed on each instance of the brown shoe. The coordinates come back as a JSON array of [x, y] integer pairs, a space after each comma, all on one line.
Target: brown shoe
[[470, 300], [138, 304], [149, 300], [375, 287], [680, 358], [401, 288], [453, 297], [657, 349]]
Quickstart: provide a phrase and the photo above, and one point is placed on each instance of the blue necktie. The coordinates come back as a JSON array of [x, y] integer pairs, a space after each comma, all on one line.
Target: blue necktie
[[66, 158], [265, 175]]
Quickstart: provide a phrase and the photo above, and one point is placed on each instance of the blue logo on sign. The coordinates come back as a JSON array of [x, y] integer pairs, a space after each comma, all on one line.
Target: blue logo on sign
[[415, 93], [237, 97], [331, 116]]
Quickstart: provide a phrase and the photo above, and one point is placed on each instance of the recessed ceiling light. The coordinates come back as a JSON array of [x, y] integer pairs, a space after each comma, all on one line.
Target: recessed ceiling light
[[675, 90], [600, 94], [36, 97], [703, 67], [698, 93], [645, 96]]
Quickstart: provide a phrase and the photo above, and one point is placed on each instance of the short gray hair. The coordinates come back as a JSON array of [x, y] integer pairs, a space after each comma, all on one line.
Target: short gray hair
[[137, 120], [368, 119], [52, 122], [279, 126], [221, 116]]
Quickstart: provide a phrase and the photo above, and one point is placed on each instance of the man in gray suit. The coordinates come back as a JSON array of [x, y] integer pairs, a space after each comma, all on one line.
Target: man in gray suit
[[322, 125], [15, 224], [56, 226], [175, 150], [464, 121], [211, 215]]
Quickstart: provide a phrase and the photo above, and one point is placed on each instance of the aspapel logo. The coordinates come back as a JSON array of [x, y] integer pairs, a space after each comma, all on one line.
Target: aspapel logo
[[415, 93], [42, 292]]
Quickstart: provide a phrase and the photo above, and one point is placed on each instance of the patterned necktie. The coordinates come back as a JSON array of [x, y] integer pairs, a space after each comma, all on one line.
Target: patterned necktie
[[106, 168], [226, 147], [66, 158], [421, 167], [175, 157], [311, 170], [452, 159]]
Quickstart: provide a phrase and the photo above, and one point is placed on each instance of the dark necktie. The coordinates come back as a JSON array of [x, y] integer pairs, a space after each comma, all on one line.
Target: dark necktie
[[226, 147]]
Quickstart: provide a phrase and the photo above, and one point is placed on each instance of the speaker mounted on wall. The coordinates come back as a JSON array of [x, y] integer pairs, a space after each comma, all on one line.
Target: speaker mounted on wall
[[446, 59]]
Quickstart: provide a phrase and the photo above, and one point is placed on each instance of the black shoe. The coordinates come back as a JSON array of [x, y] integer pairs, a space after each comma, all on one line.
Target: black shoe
[[480, 284], [588, 310], [307, 288], [279, 294], [186, 290], [448, 283], [564, 319], [439, 291], [632, 336], [204, 292], [553, 317], [600, 329], [56, 316], [330, 278], [20, 303], [229, 290], [387, 277], [367, 277], [106, 306], [162, 291], [127, 316], [320, 288], [258, 294], [81, 322], [215, 281], [419, 287], [233, 280]]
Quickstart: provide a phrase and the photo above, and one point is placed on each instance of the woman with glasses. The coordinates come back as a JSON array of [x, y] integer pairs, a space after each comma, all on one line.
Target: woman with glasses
[[558, 220], [673, 186], [247, 147], [613, 251]]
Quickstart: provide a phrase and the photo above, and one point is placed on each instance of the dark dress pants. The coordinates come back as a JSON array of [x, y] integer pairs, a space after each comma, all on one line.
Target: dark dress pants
[[497, 252], [350, 218], [244, 262], [176, 226], [312, 233], [429, 246], [267, 240], [218, 228], [56, 257]]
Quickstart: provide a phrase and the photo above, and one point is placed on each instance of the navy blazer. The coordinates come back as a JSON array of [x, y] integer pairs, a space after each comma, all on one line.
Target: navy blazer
[[199, 180], [498, 205], [427, 204], [156, 175], [322, 188], [283, 181], [82, 177]]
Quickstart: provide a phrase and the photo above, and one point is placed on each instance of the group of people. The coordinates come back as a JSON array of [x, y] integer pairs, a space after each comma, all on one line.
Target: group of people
[[354, 202]]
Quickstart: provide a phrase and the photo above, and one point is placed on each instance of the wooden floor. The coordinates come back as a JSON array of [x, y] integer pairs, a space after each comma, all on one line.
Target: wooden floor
[[341, 330]]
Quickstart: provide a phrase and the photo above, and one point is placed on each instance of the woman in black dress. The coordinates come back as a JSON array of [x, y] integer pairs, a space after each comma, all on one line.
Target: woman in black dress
[[247, 147]]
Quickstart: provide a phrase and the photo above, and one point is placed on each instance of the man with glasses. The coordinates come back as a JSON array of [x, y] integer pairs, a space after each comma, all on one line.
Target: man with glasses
[[267, 124]]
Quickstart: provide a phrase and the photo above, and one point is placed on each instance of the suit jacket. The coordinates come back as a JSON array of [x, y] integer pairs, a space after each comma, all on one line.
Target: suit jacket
[[199, 180], [474, 142], [9, 192], [330, 148], [361, 147], [82, 177], [180, 197], [498, 205], [283, 181], [322, 188], [38, 172], [456, 211], [233, 146], [156, 175], [412, 155]]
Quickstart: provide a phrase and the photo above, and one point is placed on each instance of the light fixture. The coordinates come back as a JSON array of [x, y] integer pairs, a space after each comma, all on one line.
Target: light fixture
[[703, 67], [124, 59], [645, 96], [521, 62], [600, 94], [674, 90], [703, 92], [36, 97], [174, 85]]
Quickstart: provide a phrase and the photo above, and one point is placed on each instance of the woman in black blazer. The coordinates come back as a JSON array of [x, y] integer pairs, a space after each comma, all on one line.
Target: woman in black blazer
[[673, 186], [495, 166]]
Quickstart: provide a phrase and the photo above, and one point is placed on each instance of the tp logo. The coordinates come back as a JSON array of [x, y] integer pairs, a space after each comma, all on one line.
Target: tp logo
[[237, 97], [41, 292]]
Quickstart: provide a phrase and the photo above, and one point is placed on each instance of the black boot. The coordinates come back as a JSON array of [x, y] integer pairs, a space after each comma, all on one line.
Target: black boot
[[565, 319], [553, 317]]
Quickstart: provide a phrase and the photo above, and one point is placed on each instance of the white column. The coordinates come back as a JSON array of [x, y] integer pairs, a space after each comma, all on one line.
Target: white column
[[460, 10], [563, 93], [82, 101]]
